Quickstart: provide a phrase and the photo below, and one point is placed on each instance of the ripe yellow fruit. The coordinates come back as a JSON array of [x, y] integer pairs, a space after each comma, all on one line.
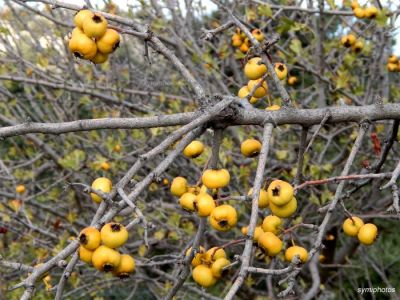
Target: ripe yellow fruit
[[253, 100], [260, 91], [280, 192], [284, 211], [126, 266], [272, 224], [15, 204], [244, 47], [197, 190], [273, 107], [357, 47], [242, 34], [354, 5], [253, 70], [213, 254], [100, 58], [257, 232], [113, 235], [236, 40], [193, 190], [237, 35], [102, 184], [194, 149], [77, 31], [214, 179], [292, 80], [20, 189], [258, 35], [270, 243], [105, 166], [179, 186], [262, 199], [250, 147], [198, 257], [244, 230], [351, 227], [82, 15], [117, 148], [244, 92], [82, 46], [296, 250], [106, 259], [367, 234], [393, 59], [203, 276], [186, 201], [90, 238], [95, 26], [204, 204], [109, 42], [223, 217], [85, 255], [359, 12], [281, 70], [217, 267], [348, 40], [371, 12], [392, 67]]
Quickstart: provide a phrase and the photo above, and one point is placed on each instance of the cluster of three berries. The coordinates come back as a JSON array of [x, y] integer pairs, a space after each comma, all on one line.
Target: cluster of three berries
[[98, 248], [91, 39]]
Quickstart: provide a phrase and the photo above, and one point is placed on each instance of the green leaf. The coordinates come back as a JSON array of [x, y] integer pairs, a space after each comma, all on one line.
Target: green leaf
[[281, 154], [73, 160], [4, 30], [349, 59], [299, 26], [315, 171], [295, 46], [343, 79], [381, 18], [314, 199], [239, 55], [326, 196], [285, 24], [327, 167], [331, 3], [265, 10]]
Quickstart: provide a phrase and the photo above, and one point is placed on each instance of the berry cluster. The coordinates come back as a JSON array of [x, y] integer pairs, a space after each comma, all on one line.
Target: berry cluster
[[279, 197], [91, 39], [98, 248], [197, 199], [364, 12], [350, 40], [255, 71], [266, 238], [239, 39], [355, 227], [208, 266]]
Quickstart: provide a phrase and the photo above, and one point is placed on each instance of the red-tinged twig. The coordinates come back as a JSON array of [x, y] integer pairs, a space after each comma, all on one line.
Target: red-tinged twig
[[342, 178]]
